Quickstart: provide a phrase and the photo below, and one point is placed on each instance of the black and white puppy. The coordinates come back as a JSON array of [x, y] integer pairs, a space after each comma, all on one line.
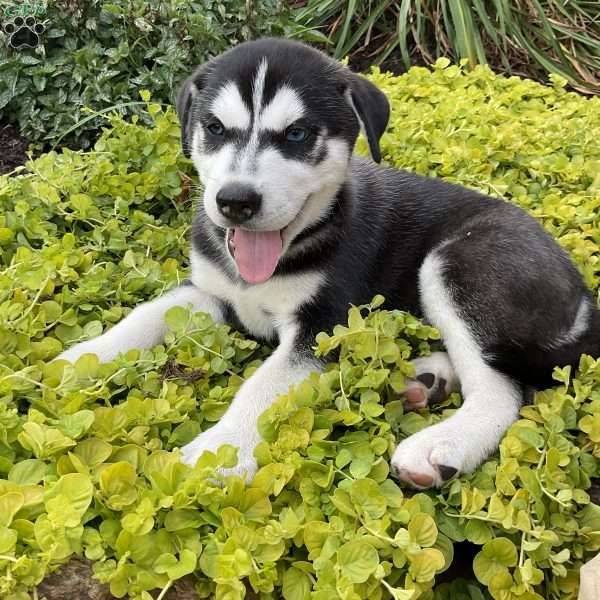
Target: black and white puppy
[[293, 229]]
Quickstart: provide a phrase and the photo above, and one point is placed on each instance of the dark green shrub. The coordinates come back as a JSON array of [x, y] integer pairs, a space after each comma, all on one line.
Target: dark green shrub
[[98, 54]]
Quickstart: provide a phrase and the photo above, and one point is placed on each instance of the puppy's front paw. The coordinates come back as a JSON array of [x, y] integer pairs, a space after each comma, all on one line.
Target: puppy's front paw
[[75, 352], [216, 437], [428, 458], [95, 346]]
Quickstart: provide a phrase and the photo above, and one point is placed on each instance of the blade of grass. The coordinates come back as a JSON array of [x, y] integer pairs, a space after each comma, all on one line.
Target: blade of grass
[[364, 26], [318, 12], [390, 47], [450, 31], [468, 40], [311, 34], [418, 22], [419, 30], [550, 36], [547, 63], [402, 32], [96, 114], [483, 14], [340, 46]]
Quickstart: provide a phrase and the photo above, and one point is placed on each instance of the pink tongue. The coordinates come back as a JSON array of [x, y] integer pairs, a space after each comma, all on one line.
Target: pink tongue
[[256, 253]]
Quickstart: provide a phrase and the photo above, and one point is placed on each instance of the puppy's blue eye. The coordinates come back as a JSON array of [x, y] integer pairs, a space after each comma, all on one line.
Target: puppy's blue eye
[[216, 128], [296, 134]]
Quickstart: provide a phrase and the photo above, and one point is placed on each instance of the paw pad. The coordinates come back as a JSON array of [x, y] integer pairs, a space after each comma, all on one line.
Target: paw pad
[[418, 480], [439, 475], [425, 390], [434, 380], [23, 32]]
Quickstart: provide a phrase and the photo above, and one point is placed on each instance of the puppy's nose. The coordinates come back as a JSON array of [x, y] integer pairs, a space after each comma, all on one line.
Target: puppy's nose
[[238, 202]]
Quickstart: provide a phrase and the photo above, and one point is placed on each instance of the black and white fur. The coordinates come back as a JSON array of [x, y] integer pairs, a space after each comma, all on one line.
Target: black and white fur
[[509, 303]]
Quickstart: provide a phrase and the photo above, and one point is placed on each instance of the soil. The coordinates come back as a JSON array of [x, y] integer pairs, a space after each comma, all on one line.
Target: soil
[[74, 581], [594, 491], [13, 147]]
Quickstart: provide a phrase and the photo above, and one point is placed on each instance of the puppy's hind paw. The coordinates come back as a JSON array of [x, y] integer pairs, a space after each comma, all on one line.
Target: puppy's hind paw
[[434, 381]]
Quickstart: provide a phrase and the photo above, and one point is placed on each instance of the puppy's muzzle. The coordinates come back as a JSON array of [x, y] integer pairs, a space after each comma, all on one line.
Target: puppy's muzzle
[[238, 202]]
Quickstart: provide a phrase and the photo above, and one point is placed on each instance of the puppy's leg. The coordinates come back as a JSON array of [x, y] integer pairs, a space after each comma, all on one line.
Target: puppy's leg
[[435, 379], [144, 327], [288, 365], [491, 399]]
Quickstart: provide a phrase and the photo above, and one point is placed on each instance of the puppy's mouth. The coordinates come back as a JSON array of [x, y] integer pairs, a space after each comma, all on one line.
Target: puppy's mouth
[[256, 253]]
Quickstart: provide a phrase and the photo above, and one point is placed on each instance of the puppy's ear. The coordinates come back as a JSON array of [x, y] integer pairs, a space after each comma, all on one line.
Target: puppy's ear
[[185, 97], [372, 110]]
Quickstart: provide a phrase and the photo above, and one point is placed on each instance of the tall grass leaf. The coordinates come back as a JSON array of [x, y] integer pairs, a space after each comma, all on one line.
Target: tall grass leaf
[[403, 31], [467, 39], [350, 14], [363, 28], [483, 14]]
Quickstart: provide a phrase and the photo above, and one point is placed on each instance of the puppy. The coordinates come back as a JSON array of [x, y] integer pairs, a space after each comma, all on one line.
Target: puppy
[[293, 229]]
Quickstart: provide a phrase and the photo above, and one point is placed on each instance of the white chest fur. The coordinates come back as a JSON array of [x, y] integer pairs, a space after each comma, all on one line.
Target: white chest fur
[[264, 308]]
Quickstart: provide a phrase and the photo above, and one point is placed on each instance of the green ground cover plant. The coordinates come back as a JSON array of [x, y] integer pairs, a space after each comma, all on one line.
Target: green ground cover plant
[[87, 451]]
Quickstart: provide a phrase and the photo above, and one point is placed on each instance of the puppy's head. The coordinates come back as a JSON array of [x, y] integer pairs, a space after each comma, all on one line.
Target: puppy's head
[[270, 126]]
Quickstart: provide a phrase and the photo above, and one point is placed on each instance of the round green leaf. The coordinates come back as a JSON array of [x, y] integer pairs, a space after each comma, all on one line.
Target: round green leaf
[[357, 560], [422, 530], [495, 556], [296, 585]]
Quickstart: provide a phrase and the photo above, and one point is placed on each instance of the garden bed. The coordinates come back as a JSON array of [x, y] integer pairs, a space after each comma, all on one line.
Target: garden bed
[[88, 452]]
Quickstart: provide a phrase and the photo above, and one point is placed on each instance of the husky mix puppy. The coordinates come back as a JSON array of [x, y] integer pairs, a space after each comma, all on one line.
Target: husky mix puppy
[[293, 229]]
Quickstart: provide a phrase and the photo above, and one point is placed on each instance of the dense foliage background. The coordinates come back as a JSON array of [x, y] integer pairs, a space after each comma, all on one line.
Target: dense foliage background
[[526, 37], [87, 452], [97, 54]]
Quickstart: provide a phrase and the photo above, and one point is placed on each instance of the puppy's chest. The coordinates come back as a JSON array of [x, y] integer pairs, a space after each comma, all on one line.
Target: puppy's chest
[[264, 309], [255, 313]]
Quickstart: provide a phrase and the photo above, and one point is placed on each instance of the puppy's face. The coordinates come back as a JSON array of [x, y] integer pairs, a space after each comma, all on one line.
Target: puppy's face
[[270, 126]]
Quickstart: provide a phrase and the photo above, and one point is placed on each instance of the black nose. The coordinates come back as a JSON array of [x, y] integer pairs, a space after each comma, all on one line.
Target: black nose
[[238, 202]]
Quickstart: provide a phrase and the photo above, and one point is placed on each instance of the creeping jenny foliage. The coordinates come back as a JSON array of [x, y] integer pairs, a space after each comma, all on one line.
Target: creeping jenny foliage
[[88, 454]]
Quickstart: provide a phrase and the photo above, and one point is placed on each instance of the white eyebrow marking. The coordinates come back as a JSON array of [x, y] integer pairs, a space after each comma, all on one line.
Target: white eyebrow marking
[[285, 108], [258, 87], [229, 107], [247, 157]]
